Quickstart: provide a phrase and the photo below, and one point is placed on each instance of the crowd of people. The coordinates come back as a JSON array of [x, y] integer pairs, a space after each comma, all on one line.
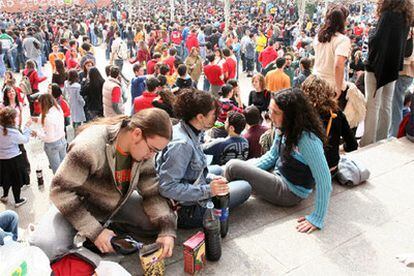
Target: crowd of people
[[151, 151]]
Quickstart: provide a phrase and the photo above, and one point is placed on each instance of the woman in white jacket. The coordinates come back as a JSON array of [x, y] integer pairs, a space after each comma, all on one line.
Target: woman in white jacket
[[52, 132]]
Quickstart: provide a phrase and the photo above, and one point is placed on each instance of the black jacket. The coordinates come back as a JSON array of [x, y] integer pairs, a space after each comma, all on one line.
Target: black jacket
[[387, 47], [339, 129]]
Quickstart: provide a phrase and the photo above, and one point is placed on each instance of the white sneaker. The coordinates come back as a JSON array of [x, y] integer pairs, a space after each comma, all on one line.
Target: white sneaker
[[23, 200]]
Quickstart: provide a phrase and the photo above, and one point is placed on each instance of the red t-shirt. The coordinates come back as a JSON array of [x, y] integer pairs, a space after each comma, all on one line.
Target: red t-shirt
[[144, 101], [176, 37], [358, 31], [151, 67], [170, 62], [116, 95], [213, 73], [229, 67]]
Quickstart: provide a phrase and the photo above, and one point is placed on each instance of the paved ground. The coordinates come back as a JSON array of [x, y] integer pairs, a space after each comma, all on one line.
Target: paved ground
[[366, 226]]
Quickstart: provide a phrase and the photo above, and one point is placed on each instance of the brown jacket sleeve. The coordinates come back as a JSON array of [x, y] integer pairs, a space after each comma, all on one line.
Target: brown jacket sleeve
[[72, 173], [155, 206]]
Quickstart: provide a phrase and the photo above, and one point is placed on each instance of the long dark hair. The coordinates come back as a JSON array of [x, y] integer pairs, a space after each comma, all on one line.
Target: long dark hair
[[95, 78], [334, 23], [298, 116], [405, 7], [6, 100]]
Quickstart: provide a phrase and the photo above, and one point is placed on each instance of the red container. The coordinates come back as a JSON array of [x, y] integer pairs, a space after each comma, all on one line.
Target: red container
[[194, 253]]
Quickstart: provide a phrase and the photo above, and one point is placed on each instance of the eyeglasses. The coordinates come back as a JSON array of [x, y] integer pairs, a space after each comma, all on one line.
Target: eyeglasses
[[151, 148]]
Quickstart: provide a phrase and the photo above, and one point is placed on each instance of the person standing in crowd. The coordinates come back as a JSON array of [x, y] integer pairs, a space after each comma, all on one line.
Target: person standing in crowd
[[91, 92], [12, 164], [305, 71], [214, 75], [119, 52], [55, 55], [383, 65], [52, 132], [137, 82], [145, 100], [182, 166], [57, 93], [261, 42], [72, 91], [194, 64], [111, 161], [59, 75], [113, 103], [332, 49], [254, 131], [259, 97], [32, 51], [296, 160], [277, 79]]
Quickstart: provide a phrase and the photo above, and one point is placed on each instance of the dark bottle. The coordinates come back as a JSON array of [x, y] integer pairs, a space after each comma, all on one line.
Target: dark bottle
[[39, 175], [211, 226], [221, 209]]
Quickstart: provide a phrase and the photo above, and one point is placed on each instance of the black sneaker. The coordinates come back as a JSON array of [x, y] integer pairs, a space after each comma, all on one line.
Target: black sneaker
[[22, 201]]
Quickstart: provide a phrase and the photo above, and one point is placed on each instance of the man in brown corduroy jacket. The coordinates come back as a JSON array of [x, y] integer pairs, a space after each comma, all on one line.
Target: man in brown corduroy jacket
[[108, 176]]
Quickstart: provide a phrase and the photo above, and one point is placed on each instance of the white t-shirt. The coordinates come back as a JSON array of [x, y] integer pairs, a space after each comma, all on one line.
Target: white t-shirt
[[340, 45]]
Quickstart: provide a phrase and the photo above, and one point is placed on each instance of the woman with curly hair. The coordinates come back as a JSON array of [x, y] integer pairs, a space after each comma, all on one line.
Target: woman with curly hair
[[383, 64], [12, 164], [322, 96], [295, 165], [332, 48]]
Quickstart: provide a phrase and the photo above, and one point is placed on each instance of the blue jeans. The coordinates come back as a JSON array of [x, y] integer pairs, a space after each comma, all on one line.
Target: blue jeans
[[2, 66], [192, 216], [39, 65], [9, 221], [56, 152], [401, 87], [206, 85]]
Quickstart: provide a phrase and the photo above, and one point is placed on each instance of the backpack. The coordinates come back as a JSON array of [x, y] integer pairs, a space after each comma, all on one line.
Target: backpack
[[122, 51], [25, 84], [409, 46]]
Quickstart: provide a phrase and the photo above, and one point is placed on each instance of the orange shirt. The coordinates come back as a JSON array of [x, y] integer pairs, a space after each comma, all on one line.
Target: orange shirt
[[53, 57], [277, 80]]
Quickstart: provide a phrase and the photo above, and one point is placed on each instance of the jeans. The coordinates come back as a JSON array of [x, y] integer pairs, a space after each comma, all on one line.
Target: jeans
[[378, 118], [56, 152], [401, 87], [60, 233], [8, 56], [2, 66], [9, 221], [206, 84], [192, 216], [258, 64], [266, 185], [39, 65]]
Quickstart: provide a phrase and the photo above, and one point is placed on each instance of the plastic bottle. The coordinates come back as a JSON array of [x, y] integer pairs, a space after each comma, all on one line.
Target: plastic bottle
[[39, 175], [211, 227], [221, 205]]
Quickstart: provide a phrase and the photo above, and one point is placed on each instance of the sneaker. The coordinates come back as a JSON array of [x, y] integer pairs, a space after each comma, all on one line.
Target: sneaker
[[4, 199], [22, 201]]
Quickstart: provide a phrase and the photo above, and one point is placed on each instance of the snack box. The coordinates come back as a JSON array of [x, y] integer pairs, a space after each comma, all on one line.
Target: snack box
[[194, 253]]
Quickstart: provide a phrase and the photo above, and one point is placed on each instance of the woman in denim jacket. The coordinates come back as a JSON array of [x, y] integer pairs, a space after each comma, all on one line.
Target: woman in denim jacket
[[182, 166]]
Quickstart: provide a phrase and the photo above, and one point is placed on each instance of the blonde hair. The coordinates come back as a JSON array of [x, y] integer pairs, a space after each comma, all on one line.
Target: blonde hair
[[261, 79]]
